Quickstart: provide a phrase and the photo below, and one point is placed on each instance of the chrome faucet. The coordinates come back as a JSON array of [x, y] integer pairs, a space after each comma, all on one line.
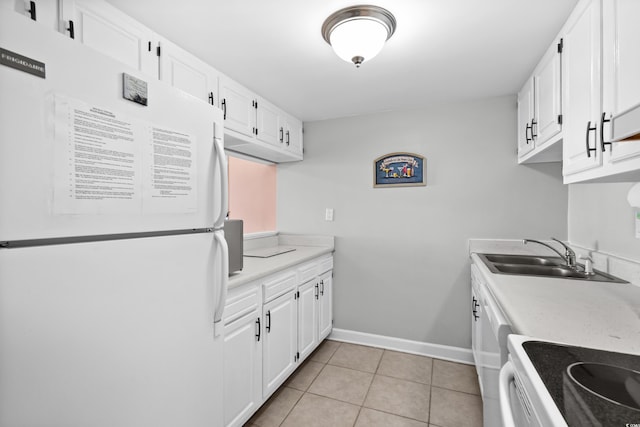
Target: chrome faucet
[[569, 255]]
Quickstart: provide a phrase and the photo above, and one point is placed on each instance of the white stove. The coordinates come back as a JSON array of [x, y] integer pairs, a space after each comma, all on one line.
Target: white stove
[[551, 384]]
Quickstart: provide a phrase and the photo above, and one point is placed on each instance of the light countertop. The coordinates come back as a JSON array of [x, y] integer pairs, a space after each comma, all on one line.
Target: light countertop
[[306, 249], [589, 314]]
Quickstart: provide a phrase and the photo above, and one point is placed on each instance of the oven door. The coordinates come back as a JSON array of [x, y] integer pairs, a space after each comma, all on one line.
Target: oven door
[[515, 405]]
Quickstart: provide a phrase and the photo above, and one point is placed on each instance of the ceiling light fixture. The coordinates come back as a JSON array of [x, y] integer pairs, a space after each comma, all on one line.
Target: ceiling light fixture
[[358, 33]]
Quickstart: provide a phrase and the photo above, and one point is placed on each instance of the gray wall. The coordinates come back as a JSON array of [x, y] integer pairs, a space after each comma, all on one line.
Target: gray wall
[[601, 219], [401, 261]]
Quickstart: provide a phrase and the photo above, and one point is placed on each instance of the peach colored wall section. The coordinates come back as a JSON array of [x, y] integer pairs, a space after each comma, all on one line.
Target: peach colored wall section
[[252, 194]]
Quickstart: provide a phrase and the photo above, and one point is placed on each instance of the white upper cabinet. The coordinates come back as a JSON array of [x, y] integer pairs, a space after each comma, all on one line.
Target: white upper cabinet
[[269, 127], [186, 72], [108, 30], [292, 138], [547, 125], [602, 92], [581, 89], [44, 12], [539, 111], [239, 107], [255, 127], [525, 117], [621, 84]]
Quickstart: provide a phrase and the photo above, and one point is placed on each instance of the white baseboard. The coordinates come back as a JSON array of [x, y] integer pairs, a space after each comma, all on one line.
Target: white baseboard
[[454, 354]]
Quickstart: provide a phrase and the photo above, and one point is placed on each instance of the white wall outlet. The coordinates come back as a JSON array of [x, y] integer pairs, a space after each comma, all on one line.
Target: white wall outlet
[[328, 214]]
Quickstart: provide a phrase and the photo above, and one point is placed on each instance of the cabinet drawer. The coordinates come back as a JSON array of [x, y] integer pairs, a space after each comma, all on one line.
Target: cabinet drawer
[[325, 265], [308, 271], [240, 302], [279, 285]]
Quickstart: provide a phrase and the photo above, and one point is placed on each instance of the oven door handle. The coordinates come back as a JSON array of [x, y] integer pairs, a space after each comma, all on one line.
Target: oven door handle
[[507, 376]]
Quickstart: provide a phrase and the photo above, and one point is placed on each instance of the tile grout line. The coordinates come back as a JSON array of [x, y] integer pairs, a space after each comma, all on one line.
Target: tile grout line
[[305, 391], [292, 408], [430, 392]]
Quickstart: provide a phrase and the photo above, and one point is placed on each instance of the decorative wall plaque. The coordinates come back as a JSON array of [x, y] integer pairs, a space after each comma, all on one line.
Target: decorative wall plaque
[[399, 170]]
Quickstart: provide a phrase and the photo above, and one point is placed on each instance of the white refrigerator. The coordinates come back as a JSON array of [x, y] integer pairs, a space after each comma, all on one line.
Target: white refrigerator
[[113, 266]]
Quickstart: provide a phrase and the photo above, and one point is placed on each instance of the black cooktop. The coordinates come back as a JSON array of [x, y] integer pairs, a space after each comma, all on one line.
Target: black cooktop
[[599, 370]]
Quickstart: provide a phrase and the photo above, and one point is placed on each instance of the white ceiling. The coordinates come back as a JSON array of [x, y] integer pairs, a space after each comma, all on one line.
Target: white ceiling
[[442, 51]]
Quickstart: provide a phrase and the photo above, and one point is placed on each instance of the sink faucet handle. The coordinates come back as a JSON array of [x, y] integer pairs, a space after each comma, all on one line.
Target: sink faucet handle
[[569, 253]]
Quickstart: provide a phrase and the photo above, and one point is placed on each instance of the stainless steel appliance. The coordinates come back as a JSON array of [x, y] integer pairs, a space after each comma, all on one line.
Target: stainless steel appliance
[[234, 235]]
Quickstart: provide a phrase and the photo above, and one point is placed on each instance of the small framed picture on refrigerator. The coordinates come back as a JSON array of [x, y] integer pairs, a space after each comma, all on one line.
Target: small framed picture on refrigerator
[[134, 89]]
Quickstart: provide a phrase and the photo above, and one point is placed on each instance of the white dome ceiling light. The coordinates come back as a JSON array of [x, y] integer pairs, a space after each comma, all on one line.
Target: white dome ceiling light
[[358, 33]]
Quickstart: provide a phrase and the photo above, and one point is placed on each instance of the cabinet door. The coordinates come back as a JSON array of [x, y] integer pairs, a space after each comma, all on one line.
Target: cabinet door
[[45, 12], [242, 369], [326, 305], [238, 105], [308, 318], [108, 30], [621, 68], [293, 135], [268, 122], [581, 89], [186, 72], [525, 116], [547, 106], [280, 341]]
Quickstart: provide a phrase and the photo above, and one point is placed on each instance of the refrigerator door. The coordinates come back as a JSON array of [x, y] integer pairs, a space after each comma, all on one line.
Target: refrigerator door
[[222, 271], [78, 159], [110, 334]]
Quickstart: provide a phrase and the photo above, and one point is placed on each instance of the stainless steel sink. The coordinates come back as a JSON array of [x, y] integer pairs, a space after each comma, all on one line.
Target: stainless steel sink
[[522, 259], [527, 265]]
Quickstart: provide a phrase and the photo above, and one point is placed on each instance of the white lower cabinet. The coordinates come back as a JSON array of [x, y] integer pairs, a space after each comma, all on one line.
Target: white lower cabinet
[[279, 351], [325, 302], [308, 294], [271, 326], [242, 355]]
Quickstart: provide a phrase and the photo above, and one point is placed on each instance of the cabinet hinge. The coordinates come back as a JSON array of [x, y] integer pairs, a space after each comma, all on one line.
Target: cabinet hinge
[[158, 50], [298, 293], [256, 105], [149, 46], [560, 45], [559, 119], [297, 355]]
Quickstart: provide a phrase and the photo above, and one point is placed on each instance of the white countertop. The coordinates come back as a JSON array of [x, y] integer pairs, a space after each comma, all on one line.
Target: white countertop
[[306, 249], [589, 314]]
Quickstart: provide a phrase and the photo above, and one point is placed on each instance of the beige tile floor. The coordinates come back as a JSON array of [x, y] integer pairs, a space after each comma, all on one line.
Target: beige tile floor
[[351, 385]]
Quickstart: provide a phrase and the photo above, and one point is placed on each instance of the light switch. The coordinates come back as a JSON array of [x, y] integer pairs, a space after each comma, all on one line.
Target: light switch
[[328, 214]]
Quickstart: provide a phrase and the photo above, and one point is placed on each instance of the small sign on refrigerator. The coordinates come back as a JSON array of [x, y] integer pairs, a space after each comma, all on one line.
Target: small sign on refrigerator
[[134, 89]]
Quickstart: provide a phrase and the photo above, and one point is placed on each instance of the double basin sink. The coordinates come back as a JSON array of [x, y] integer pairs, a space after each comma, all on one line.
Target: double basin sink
[[529, 265]]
